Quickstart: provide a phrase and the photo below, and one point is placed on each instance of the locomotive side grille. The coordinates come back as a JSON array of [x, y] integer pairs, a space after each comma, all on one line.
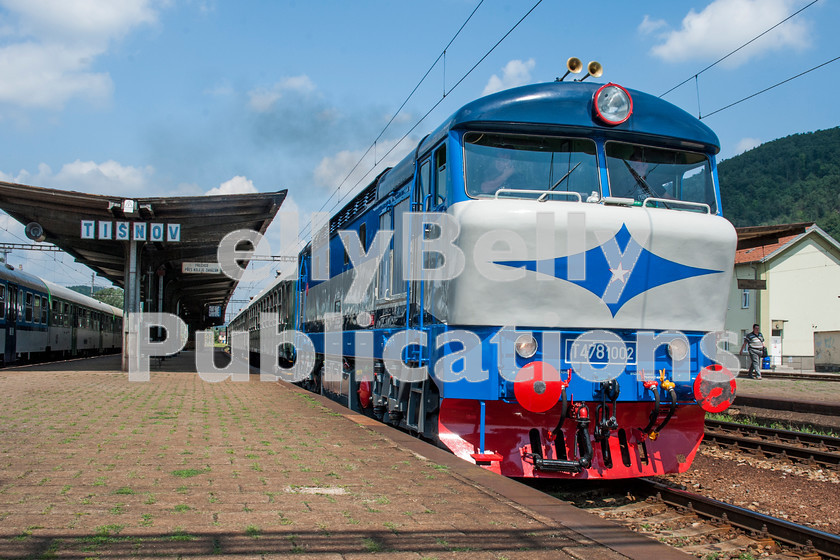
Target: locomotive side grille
[[354, 208]]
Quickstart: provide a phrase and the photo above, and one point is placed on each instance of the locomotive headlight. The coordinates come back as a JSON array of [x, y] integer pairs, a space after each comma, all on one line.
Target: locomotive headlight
[[525, 345], [613, 104], [677, 349]]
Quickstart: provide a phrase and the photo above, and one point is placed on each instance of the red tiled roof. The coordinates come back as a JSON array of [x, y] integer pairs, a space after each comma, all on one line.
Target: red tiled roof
[[756, 254]]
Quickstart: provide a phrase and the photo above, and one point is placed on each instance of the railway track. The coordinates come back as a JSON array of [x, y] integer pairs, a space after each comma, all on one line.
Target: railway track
[[698, 525], [810, 376], [768, 532], [769, 442]]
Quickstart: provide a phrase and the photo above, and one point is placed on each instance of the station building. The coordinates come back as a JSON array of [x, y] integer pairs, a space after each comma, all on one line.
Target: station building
[[787, 279]]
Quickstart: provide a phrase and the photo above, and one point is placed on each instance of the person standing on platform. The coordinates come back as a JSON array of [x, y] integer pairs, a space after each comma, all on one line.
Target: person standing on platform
[[754, 345]]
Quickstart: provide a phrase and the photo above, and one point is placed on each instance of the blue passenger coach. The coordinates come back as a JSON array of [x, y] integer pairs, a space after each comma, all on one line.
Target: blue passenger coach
[[40, 320]]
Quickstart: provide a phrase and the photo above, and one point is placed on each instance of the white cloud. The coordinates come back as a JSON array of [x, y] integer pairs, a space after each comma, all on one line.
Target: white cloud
[[109, 177], [648, 25], [237, 185], [746, 144], [515, 73], [88, 21], [49, 46], [332, 170], [262, 99], [726, 24]]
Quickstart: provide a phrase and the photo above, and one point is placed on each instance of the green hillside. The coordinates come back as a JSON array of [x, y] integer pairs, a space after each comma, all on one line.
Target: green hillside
[[792, 179]]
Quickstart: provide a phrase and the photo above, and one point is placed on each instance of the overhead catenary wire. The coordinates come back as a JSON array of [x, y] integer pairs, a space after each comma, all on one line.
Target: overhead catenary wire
[[721, 59], [402, 106], [777, 84], [61, 262], [303, 231]]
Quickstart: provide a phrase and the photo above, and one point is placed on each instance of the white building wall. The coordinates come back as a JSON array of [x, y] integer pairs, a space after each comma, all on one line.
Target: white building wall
[[803, 288], [738, 318]]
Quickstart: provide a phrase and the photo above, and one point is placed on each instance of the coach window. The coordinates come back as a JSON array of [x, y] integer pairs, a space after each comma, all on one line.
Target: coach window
[[2, 301], [67, 316], [36, 310], [28, 309], [45, 310]]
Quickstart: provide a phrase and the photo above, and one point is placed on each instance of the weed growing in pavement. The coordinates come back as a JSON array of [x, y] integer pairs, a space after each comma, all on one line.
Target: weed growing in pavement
[[179, 534], [253, 531], [370, 545], [187, 473], [296, 546]]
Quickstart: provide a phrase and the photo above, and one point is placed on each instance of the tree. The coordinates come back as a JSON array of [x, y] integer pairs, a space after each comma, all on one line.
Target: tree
[[111, 296]]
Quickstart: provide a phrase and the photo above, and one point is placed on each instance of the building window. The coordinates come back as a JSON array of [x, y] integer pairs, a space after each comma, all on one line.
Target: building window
[[745, 299]]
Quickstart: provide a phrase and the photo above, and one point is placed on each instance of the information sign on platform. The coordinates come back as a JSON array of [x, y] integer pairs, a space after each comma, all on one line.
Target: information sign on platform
[[200, 268]]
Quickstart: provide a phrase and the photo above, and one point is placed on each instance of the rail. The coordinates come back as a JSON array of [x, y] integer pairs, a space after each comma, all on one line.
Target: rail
[[791, 534]]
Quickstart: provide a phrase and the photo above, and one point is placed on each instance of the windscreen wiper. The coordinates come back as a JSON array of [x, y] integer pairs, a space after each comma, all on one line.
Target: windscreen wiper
[[564, 177], [557, 184], [642, 183]]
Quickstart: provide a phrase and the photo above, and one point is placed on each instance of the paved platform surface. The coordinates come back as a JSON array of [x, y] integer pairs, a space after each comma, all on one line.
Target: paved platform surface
[[94, 466]]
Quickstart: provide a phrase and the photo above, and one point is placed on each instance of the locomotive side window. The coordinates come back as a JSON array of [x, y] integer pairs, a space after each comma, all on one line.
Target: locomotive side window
[[425, 184], [384, 283], [441, 181], [398, 278], [493, 162], [641, 172], [363, 237]]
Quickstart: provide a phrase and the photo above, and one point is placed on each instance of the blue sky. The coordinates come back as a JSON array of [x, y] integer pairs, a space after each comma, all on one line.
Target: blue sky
[[186, 97]]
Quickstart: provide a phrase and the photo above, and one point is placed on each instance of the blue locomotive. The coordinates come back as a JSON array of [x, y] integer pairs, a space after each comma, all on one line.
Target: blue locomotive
[[588, 264]]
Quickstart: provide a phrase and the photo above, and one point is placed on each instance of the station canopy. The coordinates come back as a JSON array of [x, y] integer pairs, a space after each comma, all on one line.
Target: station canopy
[[181, 234]]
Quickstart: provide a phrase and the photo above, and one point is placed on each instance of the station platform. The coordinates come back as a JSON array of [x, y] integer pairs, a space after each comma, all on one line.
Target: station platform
[[92, 465]]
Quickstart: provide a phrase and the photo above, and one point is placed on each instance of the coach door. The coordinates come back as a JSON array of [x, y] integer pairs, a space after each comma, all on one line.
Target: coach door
[[10, 307]]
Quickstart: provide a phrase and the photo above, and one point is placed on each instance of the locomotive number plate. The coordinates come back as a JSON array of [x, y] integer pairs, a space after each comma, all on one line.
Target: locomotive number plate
[[600, 352]]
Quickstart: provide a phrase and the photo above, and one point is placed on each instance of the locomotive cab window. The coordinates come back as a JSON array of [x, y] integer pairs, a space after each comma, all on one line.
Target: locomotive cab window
[[642, 172], [511, 165]]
